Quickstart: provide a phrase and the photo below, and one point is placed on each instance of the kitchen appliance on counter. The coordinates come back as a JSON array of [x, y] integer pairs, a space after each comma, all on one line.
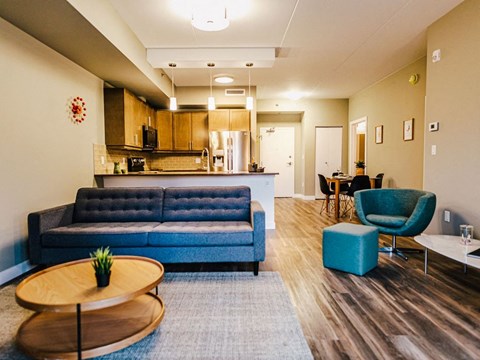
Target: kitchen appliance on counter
[[136, 164], [229, 151]]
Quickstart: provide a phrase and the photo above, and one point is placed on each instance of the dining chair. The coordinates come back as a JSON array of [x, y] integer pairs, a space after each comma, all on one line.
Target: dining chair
[[325, 189], [379, 180], [396, 212], [343, 187], [359, 182]]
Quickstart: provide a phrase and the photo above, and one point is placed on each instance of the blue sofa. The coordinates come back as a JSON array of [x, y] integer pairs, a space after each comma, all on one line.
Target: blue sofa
[[172, 225]]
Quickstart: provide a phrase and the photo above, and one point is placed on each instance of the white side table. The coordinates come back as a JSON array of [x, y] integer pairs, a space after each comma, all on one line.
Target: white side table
[[449, 246]]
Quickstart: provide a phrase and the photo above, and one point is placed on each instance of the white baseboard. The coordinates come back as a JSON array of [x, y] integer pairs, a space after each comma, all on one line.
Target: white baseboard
[[14, 271], [304, 197]]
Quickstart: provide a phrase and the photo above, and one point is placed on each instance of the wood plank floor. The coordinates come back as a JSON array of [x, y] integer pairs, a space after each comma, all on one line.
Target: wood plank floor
[[393, 312]]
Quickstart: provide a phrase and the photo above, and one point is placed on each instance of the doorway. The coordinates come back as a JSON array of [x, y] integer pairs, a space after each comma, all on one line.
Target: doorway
[[328, 153], [357, 144], [277, 149]]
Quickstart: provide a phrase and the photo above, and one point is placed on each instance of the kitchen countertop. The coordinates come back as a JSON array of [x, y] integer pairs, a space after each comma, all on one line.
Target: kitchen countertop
[[262, 185], [187, 173]]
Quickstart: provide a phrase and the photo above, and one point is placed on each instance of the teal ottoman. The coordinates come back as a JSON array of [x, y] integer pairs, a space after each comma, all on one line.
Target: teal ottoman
[[351, 248]]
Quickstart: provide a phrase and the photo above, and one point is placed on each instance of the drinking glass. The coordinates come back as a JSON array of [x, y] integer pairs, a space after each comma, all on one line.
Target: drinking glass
[[466, 232]]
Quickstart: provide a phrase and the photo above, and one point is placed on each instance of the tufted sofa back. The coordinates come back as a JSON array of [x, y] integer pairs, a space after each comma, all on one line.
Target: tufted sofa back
[[118, 204], [218, 203]]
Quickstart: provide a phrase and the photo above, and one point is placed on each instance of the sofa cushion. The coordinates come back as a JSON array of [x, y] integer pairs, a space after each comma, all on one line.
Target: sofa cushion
[[113, 234], [201, 233], [394, 221], [118, 204], [216, 203]]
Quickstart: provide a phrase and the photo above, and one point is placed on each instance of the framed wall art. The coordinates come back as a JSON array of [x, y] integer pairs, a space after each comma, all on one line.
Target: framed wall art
[[379, 134], [408, 130]]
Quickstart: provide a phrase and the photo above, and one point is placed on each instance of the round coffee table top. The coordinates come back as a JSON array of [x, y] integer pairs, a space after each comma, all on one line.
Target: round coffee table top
[[60, 288]]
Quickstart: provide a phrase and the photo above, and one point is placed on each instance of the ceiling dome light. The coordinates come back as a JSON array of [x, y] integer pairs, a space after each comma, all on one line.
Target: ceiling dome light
[[210, 24], [210, 16], [295, 95], [224, 79]]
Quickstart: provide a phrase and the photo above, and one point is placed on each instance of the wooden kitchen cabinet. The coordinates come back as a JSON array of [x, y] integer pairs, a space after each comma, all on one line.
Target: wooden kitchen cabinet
[[190, 130], [199, 130], [125, 116], [164, 124], [182, 131], [239, 120], [229, 119]]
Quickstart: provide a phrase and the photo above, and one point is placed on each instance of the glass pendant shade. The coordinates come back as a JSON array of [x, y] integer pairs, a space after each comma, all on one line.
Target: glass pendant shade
[[211, 103], [249, 105], [173, 103]]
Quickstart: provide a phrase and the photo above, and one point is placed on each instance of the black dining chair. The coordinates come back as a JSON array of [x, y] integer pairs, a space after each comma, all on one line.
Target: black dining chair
[[359, 182], [329, 194], [343, 187], [379, 180]]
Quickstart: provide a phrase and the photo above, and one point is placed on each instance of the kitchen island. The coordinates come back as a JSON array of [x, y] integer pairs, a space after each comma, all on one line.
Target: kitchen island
[[262, 185]]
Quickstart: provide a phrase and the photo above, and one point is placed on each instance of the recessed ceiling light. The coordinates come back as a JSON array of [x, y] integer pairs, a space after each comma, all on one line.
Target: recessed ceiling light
[[224, 79]]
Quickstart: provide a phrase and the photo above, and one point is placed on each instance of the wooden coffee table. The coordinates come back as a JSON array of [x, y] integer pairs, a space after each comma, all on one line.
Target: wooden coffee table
[[74, 318]]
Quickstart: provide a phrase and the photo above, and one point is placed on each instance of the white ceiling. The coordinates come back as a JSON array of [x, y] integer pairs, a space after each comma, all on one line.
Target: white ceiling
[[325, 48]]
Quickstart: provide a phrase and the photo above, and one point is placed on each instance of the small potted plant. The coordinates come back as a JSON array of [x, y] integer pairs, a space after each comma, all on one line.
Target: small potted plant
[[102, 262], [360, 165]]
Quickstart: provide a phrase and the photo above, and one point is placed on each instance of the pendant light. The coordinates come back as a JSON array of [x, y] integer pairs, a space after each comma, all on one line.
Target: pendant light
[[211, 99], [249, 104], [173, 99]]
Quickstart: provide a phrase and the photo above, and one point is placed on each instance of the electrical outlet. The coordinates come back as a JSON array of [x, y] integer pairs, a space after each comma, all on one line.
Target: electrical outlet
[[198, 160], [446, 216]]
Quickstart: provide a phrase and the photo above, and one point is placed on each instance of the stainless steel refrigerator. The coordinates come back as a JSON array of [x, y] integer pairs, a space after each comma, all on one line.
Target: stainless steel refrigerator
[[229, 151]]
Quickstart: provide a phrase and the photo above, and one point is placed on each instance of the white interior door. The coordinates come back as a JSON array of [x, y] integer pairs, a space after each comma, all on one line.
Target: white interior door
[[328, 153], [277, 149]]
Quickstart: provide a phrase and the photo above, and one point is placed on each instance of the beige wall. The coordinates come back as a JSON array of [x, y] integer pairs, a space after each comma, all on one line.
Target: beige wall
[[389, 103], [453, 97], [45, 158], [316, 112]]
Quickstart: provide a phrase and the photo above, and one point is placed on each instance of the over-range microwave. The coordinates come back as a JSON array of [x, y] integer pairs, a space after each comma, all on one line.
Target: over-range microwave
[[149, 137]]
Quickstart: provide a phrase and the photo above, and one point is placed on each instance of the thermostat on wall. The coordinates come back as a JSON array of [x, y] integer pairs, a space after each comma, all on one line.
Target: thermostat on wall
[[433, 126]]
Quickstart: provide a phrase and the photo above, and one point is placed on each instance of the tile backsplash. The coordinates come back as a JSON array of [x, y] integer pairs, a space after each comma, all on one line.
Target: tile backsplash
[[104, 158]]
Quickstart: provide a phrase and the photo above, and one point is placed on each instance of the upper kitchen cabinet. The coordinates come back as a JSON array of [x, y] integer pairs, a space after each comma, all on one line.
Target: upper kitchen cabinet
[[125, 115], [229, 119], [164, 123], [190, 130]]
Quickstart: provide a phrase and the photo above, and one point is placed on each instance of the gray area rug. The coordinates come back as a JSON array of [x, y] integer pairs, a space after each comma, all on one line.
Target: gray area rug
[[228, 315]]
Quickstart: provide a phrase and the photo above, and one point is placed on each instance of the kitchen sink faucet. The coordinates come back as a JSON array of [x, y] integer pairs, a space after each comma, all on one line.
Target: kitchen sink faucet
[[205, 150]]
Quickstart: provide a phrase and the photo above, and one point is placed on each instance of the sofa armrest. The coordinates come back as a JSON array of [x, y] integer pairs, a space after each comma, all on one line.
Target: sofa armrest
[[257, 218], [41, 221]]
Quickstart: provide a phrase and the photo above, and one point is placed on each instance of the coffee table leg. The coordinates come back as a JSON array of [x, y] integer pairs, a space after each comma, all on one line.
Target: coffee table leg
[[79, 332], [426, 260]]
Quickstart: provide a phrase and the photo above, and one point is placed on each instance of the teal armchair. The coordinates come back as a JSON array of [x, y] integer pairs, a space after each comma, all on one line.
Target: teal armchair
[[396, 212]]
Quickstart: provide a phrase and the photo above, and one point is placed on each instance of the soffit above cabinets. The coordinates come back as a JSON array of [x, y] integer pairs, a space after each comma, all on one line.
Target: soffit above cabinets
[[326, 49]]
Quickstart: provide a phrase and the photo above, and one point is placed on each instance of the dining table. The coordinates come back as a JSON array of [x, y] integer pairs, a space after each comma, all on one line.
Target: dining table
[[338, 180]]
